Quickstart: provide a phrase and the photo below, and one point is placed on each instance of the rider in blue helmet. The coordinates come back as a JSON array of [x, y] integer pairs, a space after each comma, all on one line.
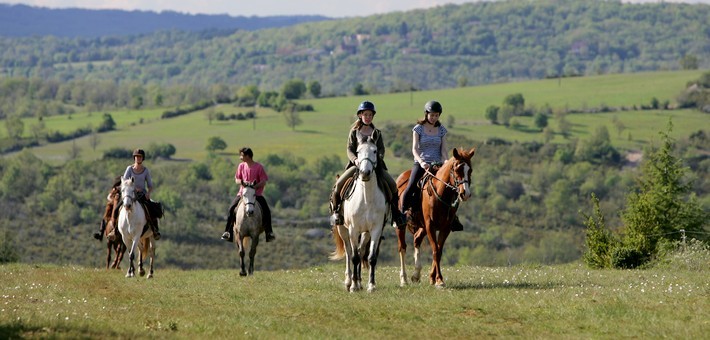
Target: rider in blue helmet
[[363, 127]]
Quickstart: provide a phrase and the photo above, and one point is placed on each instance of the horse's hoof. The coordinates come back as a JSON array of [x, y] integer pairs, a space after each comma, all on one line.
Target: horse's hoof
[[242, 274], [440, 285], [370, 288], [150, 276]]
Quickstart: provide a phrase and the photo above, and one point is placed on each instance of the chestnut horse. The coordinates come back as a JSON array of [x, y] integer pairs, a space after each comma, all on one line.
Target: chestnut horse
[[114, 241], [248, 224], [440, 197], [364, 216]]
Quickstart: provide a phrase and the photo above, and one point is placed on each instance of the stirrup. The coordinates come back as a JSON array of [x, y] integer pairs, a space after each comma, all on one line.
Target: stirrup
[[99, 236]]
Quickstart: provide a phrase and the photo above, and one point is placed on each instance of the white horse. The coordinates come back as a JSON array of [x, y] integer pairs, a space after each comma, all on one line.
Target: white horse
[[132, 224], [364, 216], [247, 224]]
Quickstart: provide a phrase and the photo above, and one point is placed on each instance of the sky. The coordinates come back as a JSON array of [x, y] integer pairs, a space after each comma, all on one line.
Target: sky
[[261, 8]]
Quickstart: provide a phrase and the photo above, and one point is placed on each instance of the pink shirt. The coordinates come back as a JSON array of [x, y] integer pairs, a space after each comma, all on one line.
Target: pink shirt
[[255, 173]]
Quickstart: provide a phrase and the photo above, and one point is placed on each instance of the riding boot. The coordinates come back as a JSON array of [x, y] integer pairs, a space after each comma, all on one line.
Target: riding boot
[[456, 224], [227, 235], [399, 220], [154, 227], [269, 231], [337, 217], [100, 235]]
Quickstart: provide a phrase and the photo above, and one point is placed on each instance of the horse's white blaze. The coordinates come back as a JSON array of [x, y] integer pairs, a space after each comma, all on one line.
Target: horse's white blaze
[[467, 184]]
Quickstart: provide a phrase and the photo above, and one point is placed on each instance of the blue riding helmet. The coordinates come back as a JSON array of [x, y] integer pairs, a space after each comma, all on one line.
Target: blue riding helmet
[[366, 105]]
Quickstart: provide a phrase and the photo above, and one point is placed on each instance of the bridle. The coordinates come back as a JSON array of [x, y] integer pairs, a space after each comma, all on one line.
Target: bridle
[[454, 188], [367, 159], [130, 195]]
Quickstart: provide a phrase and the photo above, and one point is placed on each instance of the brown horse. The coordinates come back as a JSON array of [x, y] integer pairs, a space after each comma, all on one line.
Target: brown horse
[[440, 197], [114, 241]]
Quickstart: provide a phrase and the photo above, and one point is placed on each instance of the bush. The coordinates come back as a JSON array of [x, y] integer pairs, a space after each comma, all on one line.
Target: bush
[[118, 153], [626, 257]]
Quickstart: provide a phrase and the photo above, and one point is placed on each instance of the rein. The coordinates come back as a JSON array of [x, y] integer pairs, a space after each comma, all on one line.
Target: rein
[[455, 188]]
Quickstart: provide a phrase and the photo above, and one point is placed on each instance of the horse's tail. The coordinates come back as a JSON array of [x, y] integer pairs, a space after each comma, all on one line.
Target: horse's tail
[[339, 251]]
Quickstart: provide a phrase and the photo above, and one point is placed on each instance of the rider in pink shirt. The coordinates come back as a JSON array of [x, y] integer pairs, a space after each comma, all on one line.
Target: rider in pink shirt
[[250, 171]]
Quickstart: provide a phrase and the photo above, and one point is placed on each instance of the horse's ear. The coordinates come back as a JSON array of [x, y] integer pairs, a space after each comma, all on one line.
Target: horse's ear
[[455, 153]]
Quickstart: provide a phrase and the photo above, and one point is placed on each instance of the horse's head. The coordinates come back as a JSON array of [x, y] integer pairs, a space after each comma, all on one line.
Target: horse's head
[[128, 192], [461, 171], [366, 158], [249, 197]]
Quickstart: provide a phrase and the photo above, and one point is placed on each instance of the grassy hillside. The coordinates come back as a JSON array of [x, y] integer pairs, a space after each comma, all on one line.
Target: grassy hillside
[[551, 302], [324, 131]]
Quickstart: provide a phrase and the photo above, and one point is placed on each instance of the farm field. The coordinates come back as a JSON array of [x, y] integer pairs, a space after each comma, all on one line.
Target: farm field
[[551, 302], [323, 131]]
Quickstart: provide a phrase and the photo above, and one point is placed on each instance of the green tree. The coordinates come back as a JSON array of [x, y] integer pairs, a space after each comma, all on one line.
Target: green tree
[[492, 114], [15, 127], [540, 120], [663, 203], [599, 240], [314, 88], [107, 124], [215, 143], [292, 117], [516, 101], [689, 62], [293, 89], [247, 95]]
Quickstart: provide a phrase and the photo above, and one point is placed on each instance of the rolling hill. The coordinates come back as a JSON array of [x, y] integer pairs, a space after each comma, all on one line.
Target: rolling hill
[[27, 21]]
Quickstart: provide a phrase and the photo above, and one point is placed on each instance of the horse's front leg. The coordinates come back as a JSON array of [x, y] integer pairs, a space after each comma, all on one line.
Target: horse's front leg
[[108, 254], [131, 256], [343, 232], [141, 257], [120, 251], [436, 269], [151, 253], [240, 248], [372, 259], [252, 254], [402, 249], [418, 239]]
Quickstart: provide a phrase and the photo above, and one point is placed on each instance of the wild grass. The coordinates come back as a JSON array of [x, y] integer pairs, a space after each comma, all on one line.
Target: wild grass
[[324, 131], [567, 301]]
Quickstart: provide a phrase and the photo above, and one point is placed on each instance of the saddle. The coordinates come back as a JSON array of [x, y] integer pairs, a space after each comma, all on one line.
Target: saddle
[[348, 188]]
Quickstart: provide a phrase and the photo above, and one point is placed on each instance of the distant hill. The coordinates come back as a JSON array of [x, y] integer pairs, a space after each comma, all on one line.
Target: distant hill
[[442, 47], [26, 21]]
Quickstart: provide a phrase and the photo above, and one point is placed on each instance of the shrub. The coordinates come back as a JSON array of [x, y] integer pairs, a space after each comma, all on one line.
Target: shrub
[[627, 257]]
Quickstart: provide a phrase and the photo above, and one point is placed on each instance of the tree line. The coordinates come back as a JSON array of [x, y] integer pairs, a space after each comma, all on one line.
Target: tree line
[[442, 47]]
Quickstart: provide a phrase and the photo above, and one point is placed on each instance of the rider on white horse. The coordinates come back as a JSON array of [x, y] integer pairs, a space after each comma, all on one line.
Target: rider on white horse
[[250, 171], [364, 128], [144, 186]]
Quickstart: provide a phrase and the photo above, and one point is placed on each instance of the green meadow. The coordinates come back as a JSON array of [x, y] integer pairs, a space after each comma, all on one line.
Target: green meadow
[[324, 131], [530, 302]]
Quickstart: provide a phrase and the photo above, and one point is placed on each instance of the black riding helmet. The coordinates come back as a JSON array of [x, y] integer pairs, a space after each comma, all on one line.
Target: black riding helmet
[[139, 152], [366, 105], [433, 106]]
